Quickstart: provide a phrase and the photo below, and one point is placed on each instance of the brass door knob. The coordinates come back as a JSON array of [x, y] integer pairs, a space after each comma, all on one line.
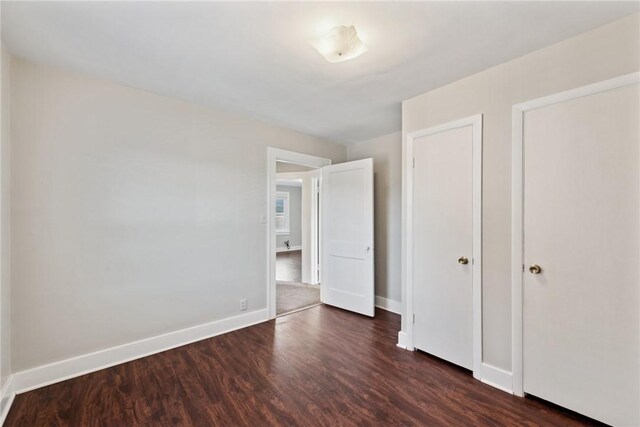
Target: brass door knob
[[535, 269], [463, 260]]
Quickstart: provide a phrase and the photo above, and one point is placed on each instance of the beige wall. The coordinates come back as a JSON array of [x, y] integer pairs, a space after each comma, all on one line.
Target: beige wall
[[133, 214], [290, 167], [603, 53], [5, 229], [386, 152]]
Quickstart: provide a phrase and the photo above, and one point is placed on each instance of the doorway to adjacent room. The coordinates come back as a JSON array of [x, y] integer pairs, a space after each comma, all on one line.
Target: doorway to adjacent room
[[336, 231], [296, 235]]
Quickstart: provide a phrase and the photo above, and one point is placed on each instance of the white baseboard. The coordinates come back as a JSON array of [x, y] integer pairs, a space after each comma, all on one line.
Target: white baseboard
[[389, 305], [63, 370], [403, 341], [6, 398], [292, 248], [489, 374], [496, 377]]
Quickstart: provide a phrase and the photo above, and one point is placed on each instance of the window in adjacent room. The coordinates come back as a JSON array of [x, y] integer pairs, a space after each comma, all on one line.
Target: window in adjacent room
[[282, 212]]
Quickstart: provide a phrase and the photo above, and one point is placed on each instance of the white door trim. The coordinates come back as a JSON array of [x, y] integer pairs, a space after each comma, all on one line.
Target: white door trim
[[315, 242], [275, 155], [517, 207], [476, 123]]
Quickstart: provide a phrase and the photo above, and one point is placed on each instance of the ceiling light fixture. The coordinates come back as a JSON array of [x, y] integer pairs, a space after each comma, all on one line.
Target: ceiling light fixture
[[341, 44]]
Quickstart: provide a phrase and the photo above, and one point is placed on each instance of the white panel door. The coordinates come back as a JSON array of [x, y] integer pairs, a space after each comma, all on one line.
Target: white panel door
[[443, 245], [581, 324], [347, 236]]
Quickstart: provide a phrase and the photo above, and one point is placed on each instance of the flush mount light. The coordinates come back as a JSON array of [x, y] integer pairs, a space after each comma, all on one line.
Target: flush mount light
[[340, 44]]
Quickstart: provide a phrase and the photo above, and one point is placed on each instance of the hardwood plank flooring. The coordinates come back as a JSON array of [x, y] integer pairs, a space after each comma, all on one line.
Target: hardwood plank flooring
[[289, 266], [317, 367]]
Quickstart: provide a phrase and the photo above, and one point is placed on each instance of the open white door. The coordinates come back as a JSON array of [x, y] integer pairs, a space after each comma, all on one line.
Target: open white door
[[347, 236]]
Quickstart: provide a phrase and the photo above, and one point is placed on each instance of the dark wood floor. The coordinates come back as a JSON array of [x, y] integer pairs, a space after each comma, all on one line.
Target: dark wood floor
[[320, 366], [289, 266]]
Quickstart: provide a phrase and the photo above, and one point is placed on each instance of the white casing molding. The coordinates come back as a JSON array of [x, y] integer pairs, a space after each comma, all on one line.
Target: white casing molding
[[389, 305], [403, 341], [41, 376], [6, 398]]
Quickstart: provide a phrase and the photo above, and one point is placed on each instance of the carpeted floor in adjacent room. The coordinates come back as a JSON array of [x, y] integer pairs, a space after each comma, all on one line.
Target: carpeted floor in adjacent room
[[291, 293], [291, 296]]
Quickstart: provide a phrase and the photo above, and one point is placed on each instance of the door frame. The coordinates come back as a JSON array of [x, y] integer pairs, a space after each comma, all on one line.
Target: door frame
[[476, 123], [517, 207], [275, 155]]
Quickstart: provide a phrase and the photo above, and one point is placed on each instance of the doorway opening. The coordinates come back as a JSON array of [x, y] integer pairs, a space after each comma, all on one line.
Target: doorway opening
[[338, 250], [293, 260], [296, 234]]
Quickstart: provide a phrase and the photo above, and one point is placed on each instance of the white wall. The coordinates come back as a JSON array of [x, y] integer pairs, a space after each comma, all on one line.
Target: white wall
[[133, 214], [5, 229], [603, 53], [295, 217], [386, 152]]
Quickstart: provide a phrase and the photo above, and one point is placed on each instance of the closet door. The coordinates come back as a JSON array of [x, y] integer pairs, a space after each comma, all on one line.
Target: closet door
[[443, 244], [581, 298]]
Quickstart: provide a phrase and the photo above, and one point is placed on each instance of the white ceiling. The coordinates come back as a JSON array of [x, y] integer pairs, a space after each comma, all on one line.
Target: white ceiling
[[253, 58]]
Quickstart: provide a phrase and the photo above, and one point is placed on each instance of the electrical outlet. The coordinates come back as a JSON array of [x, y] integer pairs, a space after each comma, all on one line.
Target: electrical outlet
[[243, 305]]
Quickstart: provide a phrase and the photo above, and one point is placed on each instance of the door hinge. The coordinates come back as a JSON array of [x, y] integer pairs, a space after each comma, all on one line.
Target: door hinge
[[523, 268], [414, 162], [414, 318]]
